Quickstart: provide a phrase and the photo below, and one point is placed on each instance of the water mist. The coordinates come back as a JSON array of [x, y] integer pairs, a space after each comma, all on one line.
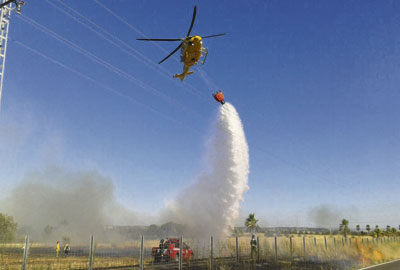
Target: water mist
[[211, 205]]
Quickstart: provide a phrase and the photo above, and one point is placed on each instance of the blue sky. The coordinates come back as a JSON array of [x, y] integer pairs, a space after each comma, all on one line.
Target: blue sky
[[315, 83]]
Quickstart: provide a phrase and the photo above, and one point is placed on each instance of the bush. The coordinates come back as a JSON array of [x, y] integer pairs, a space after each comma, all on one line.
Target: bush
[[8, 228]]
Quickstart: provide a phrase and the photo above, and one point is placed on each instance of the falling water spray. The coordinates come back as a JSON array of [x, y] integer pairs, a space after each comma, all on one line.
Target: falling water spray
[[211, 205]]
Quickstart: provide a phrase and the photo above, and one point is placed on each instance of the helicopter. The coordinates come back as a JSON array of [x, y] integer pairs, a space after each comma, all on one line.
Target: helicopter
[[192, 49]]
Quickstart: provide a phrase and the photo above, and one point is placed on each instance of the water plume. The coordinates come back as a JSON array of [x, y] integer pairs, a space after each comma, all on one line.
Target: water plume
[[211, 205]]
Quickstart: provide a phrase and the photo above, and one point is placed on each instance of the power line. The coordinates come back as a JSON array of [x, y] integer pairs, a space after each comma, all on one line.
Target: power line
[[145, 60], [104, 63], [123, 73], [119, 18], [210, 84], [117, 42], [104, 86]]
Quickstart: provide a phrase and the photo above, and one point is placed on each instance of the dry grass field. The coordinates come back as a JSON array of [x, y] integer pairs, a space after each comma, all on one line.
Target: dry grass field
[[356, 249]]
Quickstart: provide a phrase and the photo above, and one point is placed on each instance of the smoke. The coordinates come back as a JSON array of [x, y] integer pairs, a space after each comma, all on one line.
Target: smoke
[[325, 216], [210, 206], [330, 216], [55, 203]]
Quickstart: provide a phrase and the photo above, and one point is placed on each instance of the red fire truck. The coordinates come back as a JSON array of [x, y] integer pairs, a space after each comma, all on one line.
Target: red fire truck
[[169, 250]]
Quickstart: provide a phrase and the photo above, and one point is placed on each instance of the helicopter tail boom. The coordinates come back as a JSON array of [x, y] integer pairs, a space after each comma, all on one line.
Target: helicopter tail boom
[[182, 75]]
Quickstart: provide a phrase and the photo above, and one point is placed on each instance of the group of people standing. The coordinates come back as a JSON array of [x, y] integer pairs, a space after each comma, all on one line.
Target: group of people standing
[[66, 249]]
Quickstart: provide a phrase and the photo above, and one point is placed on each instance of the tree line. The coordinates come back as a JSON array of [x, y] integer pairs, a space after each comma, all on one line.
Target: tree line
[[8, 229]]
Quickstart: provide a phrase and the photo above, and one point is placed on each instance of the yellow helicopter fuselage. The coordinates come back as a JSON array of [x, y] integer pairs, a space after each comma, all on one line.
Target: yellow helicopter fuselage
[[192, 49], [191, 52]]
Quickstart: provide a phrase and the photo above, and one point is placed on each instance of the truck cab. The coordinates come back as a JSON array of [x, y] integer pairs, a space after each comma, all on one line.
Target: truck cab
[[169, 250]]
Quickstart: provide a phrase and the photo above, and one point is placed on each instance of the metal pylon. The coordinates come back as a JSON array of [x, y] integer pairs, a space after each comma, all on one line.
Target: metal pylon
[[4, 26]]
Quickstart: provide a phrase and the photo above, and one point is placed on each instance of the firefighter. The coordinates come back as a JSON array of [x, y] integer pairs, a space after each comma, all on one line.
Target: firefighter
[[158, 257], [67, 249], [57, 248], [253, 245]]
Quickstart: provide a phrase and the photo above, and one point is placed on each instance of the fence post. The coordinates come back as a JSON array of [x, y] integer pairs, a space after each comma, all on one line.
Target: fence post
[[304, 246], [326, 244], [291, 246], [258, 249], [211, 253], [350, 242], [276, 248], [237, 250], [334, 242], [141, 253], [342, 241], [181, 252], [91, 252], [315, 242], [25, 254]]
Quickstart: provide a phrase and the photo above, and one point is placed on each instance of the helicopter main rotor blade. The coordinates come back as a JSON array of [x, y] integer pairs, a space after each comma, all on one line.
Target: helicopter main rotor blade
[[159, 39], [217, 35], [193, 18], [174, 51]]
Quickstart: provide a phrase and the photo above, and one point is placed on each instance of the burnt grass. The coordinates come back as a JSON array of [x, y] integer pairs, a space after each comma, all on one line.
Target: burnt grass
[[280, 265]]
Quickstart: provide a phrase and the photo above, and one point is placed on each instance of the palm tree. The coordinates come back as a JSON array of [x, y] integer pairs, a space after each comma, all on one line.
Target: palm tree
[[388, 231], [368, 228], [378, 231], [251, 223], [345, 227]]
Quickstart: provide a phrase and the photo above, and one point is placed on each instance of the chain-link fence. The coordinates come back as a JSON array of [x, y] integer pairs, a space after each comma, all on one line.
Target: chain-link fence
[[211, 253]]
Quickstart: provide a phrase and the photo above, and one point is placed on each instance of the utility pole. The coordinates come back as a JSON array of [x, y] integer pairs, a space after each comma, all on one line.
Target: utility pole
[[6, 7]]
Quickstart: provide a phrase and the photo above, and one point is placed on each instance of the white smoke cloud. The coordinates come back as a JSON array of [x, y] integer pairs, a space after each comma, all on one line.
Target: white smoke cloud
[[71, 204], [211, 205]]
